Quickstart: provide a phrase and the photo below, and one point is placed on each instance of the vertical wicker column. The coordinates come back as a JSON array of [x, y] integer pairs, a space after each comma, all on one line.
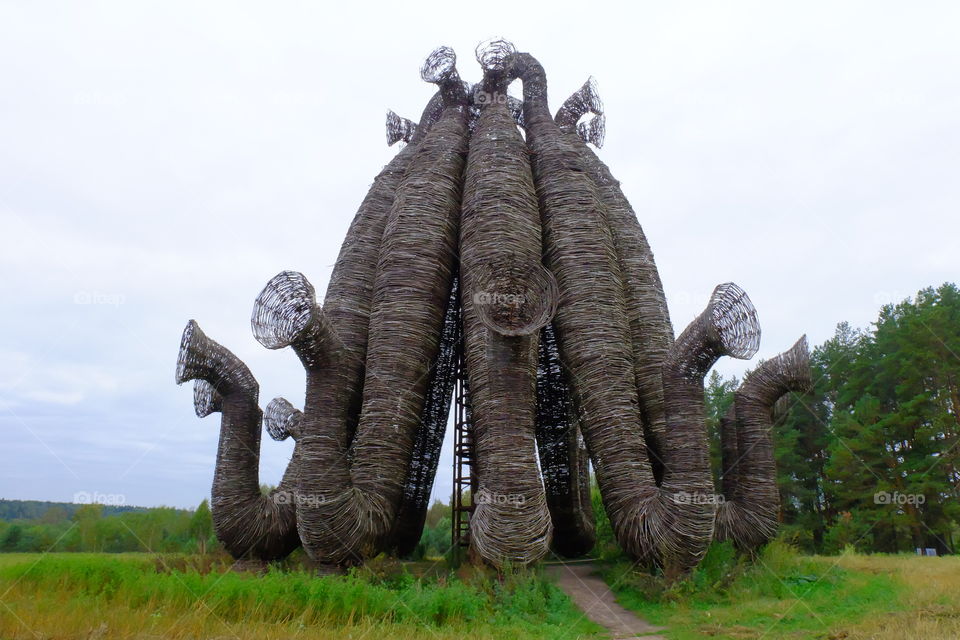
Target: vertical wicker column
[[507, 297]]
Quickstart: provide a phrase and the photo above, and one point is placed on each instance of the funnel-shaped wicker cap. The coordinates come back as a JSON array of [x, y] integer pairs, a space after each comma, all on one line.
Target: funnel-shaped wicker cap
[[438, 66], [735, 320], [283, 310], [282, 420], [492, 54], [206, 400]]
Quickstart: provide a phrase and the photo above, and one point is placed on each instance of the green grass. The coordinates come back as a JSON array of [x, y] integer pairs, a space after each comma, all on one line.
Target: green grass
[[780, 595], [73, 595]]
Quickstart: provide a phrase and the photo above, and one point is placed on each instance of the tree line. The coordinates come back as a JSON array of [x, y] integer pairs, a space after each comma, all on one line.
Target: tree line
[[99, 528]]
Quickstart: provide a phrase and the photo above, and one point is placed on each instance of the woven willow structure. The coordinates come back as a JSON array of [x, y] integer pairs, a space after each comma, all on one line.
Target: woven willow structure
[[495, 246], [748, 514]]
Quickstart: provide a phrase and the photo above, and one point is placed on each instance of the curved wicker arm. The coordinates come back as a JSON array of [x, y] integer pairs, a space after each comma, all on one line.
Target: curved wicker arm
[[355, 487], [247, 523], [507, 297], [727, 327], [748, 515]]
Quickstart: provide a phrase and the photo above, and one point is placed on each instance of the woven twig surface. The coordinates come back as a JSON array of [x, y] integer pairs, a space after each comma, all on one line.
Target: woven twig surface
[[591, 320], [245, 521], [727, 327], [651, 331], [357, 497], [748, 516], [508, 296]]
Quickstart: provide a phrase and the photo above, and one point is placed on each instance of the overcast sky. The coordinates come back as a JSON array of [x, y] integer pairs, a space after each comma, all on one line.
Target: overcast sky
[[160, 161]]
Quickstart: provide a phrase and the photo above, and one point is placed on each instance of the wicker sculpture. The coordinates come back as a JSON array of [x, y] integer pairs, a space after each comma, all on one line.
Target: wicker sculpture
[[496, 241]]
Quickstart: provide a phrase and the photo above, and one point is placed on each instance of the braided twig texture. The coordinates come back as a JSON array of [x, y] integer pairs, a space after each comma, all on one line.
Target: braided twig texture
[[748, 515]]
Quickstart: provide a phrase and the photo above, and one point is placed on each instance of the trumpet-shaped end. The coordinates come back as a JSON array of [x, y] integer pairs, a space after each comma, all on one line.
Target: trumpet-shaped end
[[727, 327], [286, 314], [206, 399], [191, 359], [283, 310], [282, 420], [584, 100], [201, 358], [399, 129], [734, 319], [594, 130], [439, 65], [493, 53]]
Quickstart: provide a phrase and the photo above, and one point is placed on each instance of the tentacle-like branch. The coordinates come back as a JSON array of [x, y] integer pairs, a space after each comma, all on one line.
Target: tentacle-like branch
[[727, 327], [592, 326], [650, 327], [748, 516], [248, 523]]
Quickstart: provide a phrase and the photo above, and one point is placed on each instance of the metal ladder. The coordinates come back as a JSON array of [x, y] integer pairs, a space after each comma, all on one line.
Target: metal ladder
[[463, 477]]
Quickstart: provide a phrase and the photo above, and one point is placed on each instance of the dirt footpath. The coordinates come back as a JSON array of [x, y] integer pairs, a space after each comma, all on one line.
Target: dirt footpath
[[591, 594]]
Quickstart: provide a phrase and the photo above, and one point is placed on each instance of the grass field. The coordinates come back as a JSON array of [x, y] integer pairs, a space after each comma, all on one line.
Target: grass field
[[785, 595], [782, 595], [145, 596]]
